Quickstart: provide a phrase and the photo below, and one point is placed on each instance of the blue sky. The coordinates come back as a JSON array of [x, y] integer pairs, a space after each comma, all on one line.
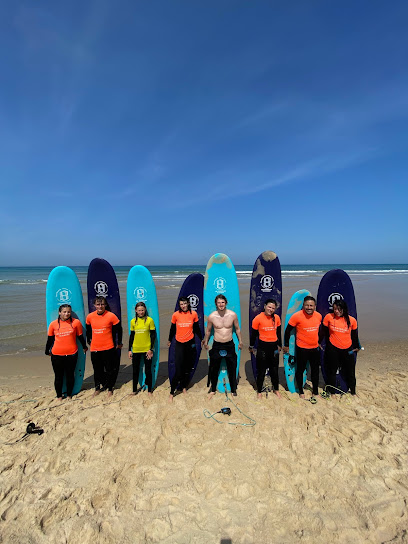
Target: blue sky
[[161, 132]]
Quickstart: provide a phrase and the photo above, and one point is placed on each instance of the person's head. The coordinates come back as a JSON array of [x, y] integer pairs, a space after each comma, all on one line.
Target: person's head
[[221, 302], [64, 312], [184, 304], [340, 309], [270, 306], [101, 304], [140, 310], [309, 305]]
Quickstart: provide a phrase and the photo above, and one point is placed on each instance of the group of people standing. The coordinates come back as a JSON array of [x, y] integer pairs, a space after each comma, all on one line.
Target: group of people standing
[[104, 335]]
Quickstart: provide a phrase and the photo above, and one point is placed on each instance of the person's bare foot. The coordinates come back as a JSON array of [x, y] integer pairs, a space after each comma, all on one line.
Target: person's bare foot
[[96, 392], [301, 396], [69, 398], [133, 393], [184, 391], [171, 397], [210, 396], [259, 396], [59, 398], [150, 394], [234, 394], [277, 393], [110, 393]]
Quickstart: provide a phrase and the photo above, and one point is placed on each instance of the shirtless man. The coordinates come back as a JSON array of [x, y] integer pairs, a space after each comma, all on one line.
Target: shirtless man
[[223, 321]]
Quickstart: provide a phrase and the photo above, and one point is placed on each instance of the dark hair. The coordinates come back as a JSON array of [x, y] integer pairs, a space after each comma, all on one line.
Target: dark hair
[[59, 310], [184, 299], [309, 298], [102, 299], [342, 304], [271, 301], [143, 305], [222, 297]]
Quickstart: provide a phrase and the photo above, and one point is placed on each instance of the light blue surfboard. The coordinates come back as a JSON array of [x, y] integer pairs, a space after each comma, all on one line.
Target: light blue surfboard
[[141, 288], [221, 279], [289, 359], [63, 287]]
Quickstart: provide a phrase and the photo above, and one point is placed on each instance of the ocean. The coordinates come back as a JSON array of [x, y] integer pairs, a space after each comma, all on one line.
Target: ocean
[[22, 293]]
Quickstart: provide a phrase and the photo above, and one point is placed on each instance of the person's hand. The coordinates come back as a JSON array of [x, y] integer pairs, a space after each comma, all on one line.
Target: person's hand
[[285, 349], [119, 346], [279, 348], [240, 345], [149, 355], [130, 354], [85, 350], [251, 350], [168, 344], [205, 345]]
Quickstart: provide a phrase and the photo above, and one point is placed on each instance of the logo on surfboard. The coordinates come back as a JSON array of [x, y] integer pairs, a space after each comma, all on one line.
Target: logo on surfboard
[[194, 301], [267, 283], [140, 294], [101, 288], [333, 297], [220, 285], [63, 295]]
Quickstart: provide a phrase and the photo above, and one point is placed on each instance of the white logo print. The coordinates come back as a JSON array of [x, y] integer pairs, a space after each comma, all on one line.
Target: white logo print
[[220, 285], [333, 297], [140, 294], [267, 283], [101, 288], [194, 301], [63, 295]]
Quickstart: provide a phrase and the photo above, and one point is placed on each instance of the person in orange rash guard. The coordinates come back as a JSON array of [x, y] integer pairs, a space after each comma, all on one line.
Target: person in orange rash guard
[[342, 343], [307, 324]]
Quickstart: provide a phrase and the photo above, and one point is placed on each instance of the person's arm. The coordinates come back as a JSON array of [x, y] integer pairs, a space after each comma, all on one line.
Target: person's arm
[[279, 335], [207, 335], [197, 330], [117, 333], [89, 334], [253, 338], [288, 330], [131, 338], [355, 342], [172, 332], [324, 333], [153, 336], [82, 342], [50, 343], [238, 332]]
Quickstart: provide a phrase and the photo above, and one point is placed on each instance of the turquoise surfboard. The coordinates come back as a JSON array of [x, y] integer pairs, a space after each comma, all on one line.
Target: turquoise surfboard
[[289, 359], [63, 287], [221, 279], [141, 288]]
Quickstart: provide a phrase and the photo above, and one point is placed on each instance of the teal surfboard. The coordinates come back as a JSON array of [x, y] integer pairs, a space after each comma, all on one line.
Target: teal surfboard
[[221, 279], [141, 288], [289, 359], [63, 287]]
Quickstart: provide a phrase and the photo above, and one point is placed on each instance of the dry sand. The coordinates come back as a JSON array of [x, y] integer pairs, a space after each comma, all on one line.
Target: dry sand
[[135, 469]]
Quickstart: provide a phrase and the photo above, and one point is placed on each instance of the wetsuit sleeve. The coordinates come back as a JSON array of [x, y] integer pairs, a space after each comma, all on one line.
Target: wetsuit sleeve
[[355, 342], [279, 335], [88, 334], [153, 336], [254, 336], [82, 341], [117, 332], [172, 332], [131, 338], [288, 330], [197, 330], [50, 343], [323, 333]]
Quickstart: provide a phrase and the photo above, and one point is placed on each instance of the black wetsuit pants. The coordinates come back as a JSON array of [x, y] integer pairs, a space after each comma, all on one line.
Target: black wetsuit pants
[[335, 358], [138, 358], [216, 356], [304, 355], [267, 356], [105, 368], [64, 364], [185, 356]]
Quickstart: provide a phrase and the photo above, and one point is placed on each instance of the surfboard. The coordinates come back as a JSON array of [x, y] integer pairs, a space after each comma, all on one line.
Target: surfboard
[[335, 284], [221, 278], [289, 359], [63, 287], [141, 288], [266, 282], [102, 281], [193, 289]]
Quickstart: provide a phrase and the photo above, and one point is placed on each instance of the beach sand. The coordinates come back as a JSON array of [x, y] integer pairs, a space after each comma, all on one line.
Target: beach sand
[[137, 469]]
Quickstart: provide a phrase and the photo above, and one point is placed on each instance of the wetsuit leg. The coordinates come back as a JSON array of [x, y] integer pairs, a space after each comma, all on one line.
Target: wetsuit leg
[[70, 365], [58, 367], [231, 362], [274, 366], [189, 357], [348, 364], [98, 366], [136, 357], [178, 363], [214, 370], [301, 361], [110, 358], [332, 363], [148, 372], [314, 360], [261, 366]]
